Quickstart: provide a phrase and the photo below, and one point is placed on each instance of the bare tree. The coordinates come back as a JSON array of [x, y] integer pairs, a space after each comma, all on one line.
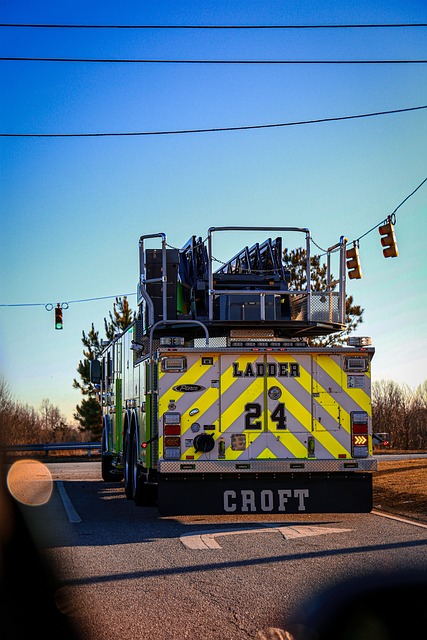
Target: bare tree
[[401, 412]]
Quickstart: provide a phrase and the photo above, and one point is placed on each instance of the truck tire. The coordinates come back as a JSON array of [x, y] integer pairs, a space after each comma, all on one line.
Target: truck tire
[[107, 469], [128, 475]]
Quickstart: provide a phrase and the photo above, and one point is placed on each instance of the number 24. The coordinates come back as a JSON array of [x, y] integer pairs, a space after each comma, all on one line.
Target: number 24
[[254, 411]]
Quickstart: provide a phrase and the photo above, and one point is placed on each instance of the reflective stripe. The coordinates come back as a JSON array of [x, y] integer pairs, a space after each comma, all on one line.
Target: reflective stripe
[[233, 403]]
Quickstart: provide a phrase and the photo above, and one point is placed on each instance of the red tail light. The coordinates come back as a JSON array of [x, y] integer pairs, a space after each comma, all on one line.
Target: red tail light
[[172, 429], [359, 434]]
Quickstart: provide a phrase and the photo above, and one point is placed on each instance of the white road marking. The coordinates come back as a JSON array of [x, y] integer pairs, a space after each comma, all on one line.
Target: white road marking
[[206, 539], [72, 514], [399, 518]]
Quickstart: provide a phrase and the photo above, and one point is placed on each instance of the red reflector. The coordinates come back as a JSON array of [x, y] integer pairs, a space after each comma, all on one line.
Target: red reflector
[[342, 455], [172, 441], [189, 457], [172, 429], [143, 445], [360, 428]]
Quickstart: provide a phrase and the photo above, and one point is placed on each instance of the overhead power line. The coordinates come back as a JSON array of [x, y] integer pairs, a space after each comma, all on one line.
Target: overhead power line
[[50, 306], [219, 61], [211, 130], [393, 212], [215, 26]]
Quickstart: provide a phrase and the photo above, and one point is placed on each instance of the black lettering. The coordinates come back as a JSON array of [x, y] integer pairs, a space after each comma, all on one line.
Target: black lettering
[[283, 369], [294, 370], [253, 410], [260, 369], [279, 416], [271, 369], [249, 372], [237, 373]]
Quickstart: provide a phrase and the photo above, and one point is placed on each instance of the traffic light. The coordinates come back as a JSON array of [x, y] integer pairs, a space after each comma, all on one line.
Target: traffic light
[[353, 263], [58, 317], [388, 240]]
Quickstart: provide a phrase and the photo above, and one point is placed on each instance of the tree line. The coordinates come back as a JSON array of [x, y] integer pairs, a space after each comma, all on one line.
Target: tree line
[[23, 424], [401, 412], [397, 410]]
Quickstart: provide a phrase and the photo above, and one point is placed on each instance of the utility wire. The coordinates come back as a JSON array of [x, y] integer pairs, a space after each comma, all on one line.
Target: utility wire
[[212, 62], [50, 306], [393, 212], [217, 26], [211, 130]]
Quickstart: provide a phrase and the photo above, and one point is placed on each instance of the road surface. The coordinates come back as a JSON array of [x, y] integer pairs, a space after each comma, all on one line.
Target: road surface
[[125, 573]]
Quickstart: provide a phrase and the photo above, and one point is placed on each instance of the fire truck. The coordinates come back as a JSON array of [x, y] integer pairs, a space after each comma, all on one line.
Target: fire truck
[[220, 399]]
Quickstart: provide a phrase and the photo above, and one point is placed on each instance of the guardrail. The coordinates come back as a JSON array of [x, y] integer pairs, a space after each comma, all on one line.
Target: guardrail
[[54, 446]]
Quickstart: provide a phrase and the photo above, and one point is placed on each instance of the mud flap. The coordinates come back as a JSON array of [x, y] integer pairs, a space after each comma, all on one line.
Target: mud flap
[[293, 493]]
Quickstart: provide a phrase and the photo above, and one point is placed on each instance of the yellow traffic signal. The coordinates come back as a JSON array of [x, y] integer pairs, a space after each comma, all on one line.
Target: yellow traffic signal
[[58, 317], [388, 240], [353, 263]]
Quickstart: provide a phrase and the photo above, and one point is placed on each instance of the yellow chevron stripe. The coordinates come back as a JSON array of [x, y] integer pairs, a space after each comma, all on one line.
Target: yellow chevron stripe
[[190, 377], [236, 408], [267, 455], [327, 440], [227, 378], [304, 417], [359, 396], [291, 442]]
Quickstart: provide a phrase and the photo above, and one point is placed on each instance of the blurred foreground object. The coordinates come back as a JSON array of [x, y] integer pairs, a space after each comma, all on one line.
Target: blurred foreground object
[[28, 594]]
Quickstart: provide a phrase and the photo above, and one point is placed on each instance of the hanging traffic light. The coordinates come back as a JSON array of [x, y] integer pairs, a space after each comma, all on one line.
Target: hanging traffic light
[[58, 317], [388, 240], [353, 263]]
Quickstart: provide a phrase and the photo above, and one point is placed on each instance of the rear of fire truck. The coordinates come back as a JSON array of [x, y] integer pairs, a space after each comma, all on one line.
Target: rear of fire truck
[[217, 400]]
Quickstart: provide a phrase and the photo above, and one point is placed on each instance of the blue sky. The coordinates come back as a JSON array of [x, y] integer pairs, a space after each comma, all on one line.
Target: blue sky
[[73, 209]]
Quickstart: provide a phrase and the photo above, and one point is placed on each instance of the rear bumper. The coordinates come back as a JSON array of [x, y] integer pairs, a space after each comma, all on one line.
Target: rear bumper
[[267, 466], [216, 494]]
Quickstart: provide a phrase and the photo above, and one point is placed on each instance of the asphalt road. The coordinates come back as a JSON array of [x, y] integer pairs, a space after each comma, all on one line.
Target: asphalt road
[[125, 573]]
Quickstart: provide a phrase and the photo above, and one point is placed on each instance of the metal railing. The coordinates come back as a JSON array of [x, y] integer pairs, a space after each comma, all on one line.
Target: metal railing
[[53, 446]]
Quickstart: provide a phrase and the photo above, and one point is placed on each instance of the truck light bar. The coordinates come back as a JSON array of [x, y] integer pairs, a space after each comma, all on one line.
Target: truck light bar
[[263, 344], [172, 341]]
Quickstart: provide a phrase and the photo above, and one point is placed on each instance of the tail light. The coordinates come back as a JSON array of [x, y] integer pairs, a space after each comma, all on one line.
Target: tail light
[[359, 434], [172, 436]]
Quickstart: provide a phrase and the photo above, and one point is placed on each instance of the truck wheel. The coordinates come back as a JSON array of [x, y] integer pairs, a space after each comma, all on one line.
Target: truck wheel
[[107, 469], [128, 477]]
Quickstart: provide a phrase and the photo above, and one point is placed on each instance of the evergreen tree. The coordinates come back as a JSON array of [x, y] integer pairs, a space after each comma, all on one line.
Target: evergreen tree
[[92, 350], [89, 412], [295, 262], [89, 415], [120, 318]]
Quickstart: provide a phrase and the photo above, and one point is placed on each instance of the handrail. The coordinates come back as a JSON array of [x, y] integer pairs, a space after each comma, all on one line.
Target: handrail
[[53, 446]]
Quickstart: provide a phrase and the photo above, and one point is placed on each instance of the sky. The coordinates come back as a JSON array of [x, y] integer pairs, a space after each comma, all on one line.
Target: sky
[[73, 208]]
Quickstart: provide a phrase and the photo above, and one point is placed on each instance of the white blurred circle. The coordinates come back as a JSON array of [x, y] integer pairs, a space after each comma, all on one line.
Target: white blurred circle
[[30, 482]]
